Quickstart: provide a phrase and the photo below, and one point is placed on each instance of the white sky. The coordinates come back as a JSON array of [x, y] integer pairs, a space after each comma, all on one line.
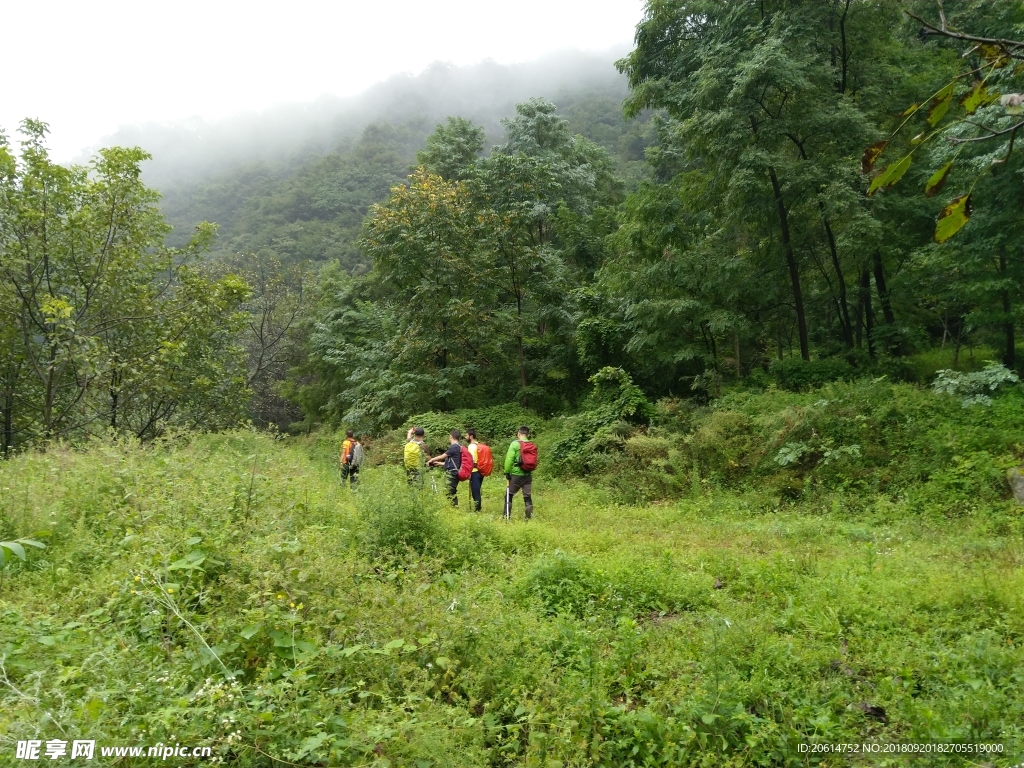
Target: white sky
[[88, 66]]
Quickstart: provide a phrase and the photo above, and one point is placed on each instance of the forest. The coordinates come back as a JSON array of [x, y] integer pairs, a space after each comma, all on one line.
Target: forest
[[757, 287]]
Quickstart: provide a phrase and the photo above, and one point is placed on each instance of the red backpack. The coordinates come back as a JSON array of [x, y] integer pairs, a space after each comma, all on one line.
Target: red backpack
[[484, 460], [466, 467], [527, 456]]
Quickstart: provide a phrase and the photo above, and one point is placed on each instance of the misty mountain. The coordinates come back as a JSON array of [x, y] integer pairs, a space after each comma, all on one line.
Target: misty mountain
[[299, 179], [195, 149]]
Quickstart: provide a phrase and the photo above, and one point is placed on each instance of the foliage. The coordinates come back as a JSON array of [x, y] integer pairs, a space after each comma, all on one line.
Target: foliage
[[802, 375], [11, 549], [104, 326], [972, 107], [398, 519], [977, 386], [219, 590], [492, 424]]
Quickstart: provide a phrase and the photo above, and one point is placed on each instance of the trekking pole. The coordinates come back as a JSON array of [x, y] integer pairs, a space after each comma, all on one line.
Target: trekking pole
[[508, 500]]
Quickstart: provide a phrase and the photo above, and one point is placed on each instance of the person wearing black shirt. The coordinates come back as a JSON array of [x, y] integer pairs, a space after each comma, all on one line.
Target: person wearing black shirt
[[452, 461]]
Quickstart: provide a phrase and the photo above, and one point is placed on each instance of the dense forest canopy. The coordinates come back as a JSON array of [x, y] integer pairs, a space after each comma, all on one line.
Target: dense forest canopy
[[753, 198]]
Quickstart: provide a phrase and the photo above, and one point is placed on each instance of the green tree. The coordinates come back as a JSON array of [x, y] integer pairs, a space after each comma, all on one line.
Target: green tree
[[771, 99], [104, 326], [453, 149]]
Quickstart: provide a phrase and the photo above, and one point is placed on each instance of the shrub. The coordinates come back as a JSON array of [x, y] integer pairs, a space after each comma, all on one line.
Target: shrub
[[977, 387], [592, 440], [565, 584], [397, 518], [798, 375], [615, 393], [493, 424]]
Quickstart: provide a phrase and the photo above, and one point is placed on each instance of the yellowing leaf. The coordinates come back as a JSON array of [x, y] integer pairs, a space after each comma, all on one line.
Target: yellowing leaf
[[940, 105], [953, 218], [890, 175], [996, 55], [867, 161], [937, 180], [977, 97]]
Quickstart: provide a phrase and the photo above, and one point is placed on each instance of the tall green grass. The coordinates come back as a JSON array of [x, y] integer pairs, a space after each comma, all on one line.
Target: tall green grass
[[226, 590]]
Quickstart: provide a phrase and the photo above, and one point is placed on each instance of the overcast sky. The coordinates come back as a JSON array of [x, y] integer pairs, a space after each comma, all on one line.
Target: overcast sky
[[88, 66]]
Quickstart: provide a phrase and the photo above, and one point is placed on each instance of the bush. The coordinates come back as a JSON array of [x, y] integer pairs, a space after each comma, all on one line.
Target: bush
[[595, 438], [397, 518], [493, 424], [871, 434], [797, 375], [977, 387], [565, 584]]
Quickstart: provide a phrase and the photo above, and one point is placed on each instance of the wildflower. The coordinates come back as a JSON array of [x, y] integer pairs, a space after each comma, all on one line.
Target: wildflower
[[170, 590]]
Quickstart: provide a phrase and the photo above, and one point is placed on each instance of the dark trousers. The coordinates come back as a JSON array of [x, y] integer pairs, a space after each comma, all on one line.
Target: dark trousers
[[524, 482], [414, 477], [452, 489], [350, 473], [476, 480]]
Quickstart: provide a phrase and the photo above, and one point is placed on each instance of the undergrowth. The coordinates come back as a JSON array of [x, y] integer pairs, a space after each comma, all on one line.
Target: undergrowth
[[226, 590]]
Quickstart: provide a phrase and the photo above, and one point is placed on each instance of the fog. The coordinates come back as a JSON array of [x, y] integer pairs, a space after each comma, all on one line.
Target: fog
[[90, 66], [189, 151]]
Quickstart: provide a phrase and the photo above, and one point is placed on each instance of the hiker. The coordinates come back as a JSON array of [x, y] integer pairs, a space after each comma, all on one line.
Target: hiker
[[520, 461], [453, 464], [415, 455], [483, 465], [351, 458]]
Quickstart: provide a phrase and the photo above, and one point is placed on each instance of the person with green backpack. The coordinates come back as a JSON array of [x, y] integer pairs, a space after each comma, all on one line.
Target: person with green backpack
[[520, 461]]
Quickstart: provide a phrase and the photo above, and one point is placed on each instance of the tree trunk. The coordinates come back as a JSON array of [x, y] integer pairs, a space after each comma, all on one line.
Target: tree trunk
[[794, 271], [522, 370], [1010, 352], [8, 427], [867, 314], [844, 311], [883, 291]]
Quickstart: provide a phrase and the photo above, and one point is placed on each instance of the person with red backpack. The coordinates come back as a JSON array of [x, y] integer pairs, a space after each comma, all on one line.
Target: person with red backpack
[[458, 465], [520, 461], [483, 465]]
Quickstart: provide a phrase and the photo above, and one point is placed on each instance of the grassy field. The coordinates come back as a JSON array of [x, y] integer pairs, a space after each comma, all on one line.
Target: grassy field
[[224, 590]]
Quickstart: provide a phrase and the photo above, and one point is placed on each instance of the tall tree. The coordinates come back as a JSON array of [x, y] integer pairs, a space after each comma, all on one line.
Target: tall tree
[[102, 322]]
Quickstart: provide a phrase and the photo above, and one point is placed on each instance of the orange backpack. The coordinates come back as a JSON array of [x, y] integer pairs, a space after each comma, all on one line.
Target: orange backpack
[[484, 459]]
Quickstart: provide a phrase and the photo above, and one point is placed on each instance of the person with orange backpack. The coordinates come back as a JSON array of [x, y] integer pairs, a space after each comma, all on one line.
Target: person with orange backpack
[[520, 461], [351, 458], [458, 464], [483, 465]]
